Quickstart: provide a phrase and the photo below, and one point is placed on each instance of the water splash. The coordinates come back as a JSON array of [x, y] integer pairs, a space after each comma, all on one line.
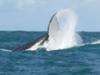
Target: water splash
[[96, 42], [62, 31]]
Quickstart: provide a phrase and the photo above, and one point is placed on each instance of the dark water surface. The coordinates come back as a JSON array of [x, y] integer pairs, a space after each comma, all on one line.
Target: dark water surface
[[84, 60]]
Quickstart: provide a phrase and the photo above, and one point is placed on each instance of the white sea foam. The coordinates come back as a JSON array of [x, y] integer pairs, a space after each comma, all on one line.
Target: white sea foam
[[6, 50], [91, 43], [96, 42]]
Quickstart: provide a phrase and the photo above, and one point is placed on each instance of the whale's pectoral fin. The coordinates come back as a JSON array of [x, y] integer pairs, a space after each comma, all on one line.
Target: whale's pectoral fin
[[53, 26]]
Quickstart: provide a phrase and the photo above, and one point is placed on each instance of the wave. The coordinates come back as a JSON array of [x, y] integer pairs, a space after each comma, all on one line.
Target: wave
[[96, 42], [91, 43], [6, 50]]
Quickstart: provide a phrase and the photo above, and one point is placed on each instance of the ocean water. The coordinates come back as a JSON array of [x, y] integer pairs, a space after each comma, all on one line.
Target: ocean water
[[82, 60]]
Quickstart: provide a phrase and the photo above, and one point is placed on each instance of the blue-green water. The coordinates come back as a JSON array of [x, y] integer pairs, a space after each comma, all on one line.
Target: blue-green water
[[83, 60]]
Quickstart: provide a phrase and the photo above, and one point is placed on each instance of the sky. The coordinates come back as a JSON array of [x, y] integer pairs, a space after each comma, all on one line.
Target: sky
[[34, 15]]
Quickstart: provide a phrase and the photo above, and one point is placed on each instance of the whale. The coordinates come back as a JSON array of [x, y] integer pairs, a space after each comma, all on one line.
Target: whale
[[61, 33]]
